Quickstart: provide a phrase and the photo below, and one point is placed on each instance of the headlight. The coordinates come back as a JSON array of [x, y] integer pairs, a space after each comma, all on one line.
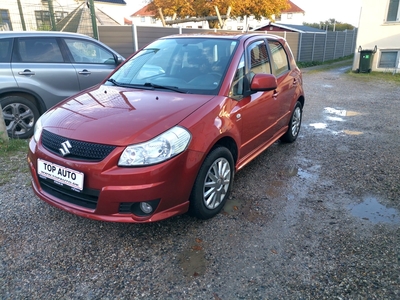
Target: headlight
[[159, 149], [37, 131]]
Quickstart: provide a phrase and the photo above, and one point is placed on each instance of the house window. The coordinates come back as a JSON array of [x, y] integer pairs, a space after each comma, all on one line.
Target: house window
[[393, 11], [388, 59], [5, 21], [153, 20], [289, 15], [142, 19], [43, 19], [59, 15]]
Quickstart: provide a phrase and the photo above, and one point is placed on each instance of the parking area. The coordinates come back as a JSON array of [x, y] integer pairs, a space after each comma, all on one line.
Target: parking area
[[316, 219]]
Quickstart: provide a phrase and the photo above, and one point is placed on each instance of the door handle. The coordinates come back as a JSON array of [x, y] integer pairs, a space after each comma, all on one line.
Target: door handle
[[85, 72], [275, 94], [26, 72]]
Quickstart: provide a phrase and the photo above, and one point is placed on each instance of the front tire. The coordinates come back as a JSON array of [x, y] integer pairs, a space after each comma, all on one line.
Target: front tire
[[213, 184], [294, 125], [20, 116]]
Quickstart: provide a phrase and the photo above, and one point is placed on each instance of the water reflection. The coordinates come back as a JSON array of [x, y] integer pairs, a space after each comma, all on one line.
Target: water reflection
[[370, 209]]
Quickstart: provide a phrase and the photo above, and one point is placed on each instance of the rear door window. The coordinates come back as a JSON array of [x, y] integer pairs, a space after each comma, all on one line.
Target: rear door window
[[38, 50]]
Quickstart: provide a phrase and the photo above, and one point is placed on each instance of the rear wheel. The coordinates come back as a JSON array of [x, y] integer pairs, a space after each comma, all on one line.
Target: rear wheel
[[294, 124], [213, 184], [20, 116]]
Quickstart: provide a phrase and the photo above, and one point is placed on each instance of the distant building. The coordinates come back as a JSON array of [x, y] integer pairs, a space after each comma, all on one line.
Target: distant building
[[292, 15], [288, 28]]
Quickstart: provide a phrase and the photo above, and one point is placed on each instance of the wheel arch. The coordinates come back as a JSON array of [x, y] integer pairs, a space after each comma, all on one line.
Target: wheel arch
[[27, 95], [229, 143]]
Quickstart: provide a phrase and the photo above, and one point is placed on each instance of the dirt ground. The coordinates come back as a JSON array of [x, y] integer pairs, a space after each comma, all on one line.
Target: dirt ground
[[317, 219]]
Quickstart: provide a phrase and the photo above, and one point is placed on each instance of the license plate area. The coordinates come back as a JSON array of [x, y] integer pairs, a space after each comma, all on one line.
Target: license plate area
[[60, 175]]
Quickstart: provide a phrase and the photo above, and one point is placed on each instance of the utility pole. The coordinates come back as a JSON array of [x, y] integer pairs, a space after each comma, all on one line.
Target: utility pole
[[90, 3]]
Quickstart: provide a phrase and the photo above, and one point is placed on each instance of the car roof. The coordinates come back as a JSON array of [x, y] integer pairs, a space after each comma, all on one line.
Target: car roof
[[224, 35], [13, 34]]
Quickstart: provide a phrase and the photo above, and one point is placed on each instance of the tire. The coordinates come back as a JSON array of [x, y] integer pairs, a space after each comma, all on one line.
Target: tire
[[20, 116], [294, 124], [210, 192]]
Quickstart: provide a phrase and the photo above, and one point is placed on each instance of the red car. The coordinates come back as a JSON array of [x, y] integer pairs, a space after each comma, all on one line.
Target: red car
[[168, 129]]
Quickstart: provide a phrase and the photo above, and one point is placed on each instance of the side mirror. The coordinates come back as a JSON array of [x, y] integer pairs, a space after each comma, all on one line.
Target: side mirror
[[263, 82], [119, 60]]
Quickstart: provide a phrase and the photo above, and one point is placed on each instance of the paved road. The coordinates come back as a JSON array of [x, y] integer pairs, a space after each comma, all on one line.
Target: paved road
[[317, 219]]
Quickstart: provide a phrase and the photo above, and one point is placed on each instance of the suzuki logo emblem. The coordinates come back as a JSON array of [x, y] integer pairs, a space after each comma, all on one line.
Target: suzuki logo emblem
[[65, 148]]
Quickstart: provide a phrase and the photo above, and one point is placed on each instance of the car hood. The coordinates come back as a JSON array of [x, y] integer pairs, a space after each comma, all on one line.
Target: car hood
[[120, 116]]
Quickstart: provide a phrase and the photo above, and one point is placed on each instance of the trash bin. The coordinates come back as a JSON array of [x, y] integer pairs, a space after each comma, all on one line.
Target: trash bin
[[366, 58]]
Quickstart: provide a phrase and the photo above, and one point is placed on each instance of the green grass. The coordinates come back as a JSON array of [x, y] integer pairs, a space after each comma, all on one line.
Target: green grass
[[348, 61], [327, 64], [12, 146], [13, 159], [384, 76]]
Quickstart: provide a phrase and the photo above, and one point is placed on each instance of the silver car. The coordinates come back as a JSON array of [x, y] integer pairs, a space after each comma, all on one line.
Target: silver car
[[39, 69]]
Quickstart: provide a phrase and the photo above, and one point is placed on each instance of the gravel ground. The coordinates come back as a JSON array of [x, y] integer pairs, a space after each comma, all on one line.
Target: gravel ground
[[317, 219]]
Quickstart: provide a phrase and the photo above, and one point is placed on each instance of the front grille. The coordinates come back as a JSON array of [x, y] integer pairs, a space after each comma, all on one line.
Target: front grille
[[87, 198], [79, 150]]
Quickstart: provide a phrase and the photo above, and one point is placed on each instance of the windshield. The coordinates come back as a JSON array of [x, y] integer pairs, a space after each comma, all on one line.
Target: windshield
[[187, 65]]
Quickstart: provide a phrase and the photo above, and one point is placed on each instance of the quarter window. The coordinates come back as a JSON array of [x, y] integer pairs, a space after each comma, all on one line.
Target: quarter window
[[5, 50], [237, 88]]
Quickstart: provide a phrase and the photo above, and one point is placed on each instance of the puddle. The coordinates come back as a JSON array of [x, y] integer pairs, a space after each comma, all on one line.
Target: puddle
[[192, 261], [231, 206], [341, 112], [370, 209], [319, 125], [350, 132]]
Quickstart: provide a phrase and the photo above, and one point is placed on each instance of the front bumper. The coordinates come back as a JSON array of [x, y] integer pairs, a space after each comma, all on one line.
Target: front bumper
[[109, 191]]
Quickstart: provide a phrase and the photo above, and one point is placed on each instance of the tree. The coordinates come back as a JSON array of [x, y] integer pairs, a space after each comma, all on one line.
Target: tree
[[205, 8], [331, 25]]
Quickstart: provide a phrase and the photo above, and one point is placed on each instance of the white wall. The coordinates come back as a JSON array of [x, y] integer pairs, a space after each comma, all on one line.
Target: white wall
[[374, 30]]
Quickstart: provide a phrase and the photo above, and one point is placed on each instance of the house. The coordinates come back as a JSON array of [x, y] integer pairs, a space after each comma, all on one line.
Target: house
[[379, 26], [292, 15], [288, 28]]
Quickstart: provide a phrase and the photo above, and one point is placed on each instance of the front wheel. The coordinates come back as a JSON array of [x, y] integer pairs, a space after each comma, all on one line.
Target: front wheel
[[20, 116], [213, 184], [294, 124]]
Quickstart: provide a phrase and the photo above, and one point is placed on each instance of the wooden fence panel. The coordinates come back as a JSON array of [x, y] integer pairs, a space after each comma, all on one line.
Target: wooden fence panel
[[306, 47]]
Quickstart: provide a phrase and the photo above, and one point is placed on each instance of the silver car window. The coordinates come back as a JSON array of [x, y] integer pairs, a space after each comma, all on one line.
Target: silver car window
[[88, 52], [41, 50]]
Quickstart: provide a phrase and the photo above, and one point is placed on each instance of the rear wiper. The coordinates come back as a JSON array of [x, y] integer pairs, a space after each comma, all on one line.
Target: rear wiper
[[171, 88]]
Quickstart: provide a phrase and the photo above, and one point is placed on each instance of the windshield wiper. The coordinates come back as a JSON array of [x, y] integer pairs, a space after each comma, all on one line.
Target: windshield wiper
[[129, 85], [166, 87]]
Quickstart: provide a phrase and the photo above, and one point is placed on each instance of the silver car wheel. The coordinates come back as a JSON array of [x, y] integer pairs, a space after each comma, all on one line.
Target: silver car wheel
[[19, 118], [216, 183], [296, 121]]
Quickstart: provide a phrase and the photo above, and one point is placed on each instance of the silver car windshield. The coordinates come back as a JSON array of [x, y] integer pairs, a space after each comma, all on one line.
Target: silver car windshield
[[192, 65]]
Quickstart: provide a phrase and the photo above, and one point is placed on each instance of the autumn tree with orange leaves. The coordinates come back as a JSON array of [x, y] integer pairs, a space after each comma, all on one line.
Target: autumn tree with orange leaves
[[206, 8]]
